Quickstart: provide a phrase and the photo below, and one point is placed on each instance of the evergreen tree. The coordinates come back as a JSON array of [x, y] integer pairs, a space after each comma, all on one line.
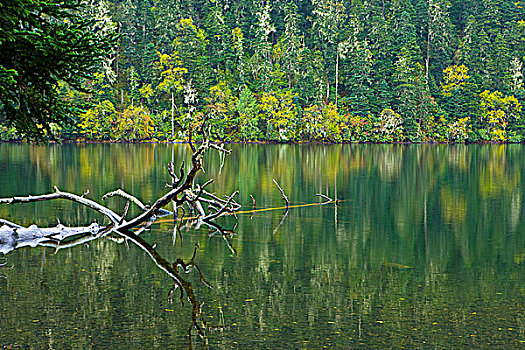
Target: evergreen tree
[[327, 24], [44, 44]]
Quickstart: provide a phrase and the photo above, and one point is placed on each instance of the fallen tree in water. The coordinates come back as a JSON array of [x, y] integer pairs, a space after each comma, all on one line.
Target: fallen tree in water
[[185, 195], [193, 206]]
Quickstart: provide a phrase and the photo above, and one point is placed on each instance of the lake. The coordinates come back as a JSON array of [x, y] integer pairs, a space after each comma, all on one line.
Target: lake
[[424, 250]]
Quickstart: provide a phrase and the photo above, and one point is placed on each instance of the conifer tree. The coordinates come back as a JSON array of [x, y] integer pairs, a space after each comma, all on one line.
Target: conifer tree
[[44, 44]]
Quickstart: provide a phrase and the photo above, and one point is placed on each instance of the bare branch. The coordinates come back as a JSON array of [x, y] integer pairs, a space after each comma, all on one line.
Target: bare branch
[[282, 193], [181, 176], [325, 197], [220, 148], [190, 139], [148, 214], [9, 223], [171, 171], [112, 216], [199, 208], [127, 196], [224, 208], [233, 203], [126, 208]]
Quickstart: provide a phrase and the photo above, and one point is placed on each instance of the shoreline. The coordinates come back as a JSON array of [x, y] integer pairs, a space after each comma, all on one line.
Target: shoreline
[[265, 142]]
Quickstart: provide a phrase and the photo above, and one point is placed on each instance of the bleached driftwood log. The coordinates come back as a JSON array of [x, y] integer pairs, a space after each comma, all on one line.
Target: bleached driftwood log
[[184, 193]]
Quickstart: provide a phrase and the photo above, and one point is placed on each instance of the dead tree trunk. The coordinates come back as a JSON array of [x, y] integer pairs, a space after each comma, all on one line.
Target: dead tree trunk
[[184, 193]]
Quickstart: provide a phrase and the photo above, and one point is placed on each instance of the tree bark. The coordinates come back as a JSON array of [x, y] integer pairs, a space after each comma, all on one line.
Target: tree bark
[[336, 75], [172, 116]]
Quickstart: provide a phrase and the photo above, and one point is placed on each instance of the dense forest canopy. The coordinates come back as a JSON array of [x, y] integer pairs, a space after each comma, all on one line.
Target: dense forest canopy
[[45, 45], [307, 70]]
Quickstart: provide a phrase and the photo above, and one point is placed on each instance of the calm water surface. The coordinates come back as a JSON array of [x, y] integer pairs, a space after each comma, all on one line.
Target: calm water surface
[[425, 250]]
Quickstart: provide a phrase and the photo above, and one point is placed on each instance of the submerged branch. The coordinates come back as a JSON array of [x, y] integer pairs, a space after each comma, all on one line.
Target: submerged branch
[[198, 323], [12, 238], [281, 222]]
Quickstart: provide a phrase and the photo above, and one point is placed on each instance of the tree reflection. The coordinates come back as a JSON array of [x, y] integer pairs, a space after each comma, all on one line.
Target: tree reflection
[[185, 287], [424, 250], [174, 270]]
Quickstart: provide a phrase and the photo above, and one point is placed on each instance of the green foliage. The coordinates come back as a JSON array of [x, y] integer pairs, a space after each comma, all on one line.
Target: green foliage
[[247, 111], [96, 123], [220, 109], [43, 43], [9, 134], [404, 71]]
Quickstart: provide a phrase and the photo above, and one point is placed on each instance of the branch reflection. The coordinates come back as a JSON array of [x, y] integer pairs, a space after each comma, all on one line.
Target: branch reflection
[[14, 237]]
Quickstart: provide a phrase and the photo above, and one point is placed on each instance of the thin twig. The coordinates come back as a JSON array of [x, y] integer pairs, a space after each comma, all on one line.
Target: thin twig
[[124, 213], [223, 208], [282, 193], [325, 197]]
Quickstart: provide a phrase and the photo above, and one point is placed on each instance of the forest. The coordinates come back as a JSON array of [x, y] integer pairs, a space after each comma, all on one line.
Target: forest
[[302, 71]]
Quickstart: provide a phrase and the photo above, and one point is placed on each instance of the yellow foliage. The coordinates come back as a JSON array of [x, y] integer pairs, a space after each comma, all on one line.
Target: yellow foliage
[[237, 33], [133, 124], [457, 131], [96, 122], [334, 122], [221, 105], [171, 72], [497, 111], [146, 91], [454, 77], [281, 113], [322, 123], [186, 23]]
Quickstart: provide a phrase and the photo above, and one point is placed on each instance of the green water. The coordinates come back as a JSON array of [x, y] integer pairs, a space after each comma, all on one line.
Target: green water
[[425, 250]]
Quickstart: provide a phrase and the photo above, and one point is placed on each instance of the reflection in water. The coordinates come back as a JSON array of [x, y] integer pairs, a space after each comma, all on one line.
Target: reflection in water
[[183, 193], [425, 250], [172, 270], [71, 237]]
